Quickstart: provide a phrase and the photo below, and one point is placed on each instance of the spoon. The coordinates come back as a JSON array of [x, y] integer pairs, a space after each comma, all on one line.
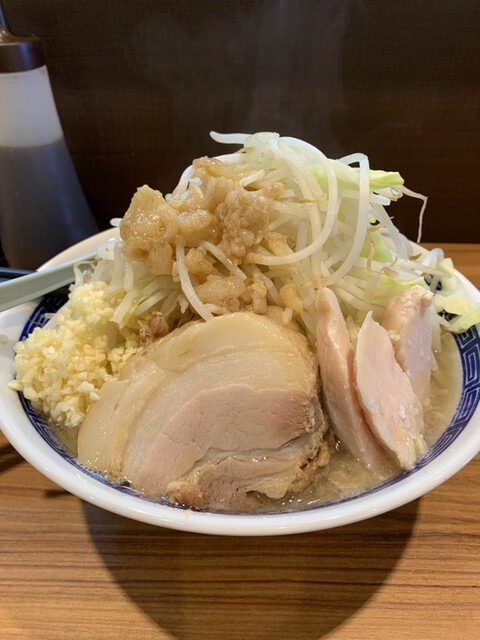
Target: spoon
[[36, 284]]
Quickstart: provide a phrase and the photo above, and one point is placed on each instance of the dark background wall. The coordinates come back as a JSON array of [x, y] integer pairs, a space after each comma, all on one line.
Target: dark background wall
[[139, 84]]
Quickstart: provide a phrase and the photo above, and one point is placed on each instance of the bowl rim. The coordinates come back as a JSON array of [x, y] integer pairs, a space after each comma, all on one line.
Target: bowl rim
[[31, 446]]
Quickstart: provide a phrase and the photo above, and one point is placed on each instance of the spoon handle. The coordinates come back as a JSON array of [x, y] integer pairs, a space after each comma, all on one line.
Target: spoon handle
[[38, 283]]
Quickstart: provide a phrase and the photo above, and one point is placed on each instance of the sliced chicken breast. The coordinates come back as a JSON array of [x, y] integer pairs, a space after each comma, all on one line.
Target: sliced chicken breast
[[335, 356], [238, 385], [407, 319], [391, 407]]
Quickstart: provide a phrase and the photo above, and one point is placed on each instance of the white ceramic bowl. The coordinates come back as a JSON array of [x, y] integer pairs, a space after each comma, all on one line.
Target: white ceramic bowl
[[28, 434]]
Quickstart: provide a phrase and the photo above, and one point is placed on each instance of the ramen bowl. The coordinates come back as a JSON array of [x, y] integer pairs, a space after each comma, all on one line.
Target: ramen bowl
[[31, 437]]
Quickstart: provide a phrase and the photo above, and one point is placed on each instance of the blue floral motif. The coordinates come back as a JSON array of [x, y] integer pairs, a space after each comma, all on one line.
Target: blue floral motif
[[468, 345]]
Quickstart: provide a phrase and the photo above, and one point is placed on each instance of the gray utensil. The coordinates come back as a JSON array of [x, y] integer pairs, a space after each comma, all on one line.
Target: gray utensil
[[38, 283]]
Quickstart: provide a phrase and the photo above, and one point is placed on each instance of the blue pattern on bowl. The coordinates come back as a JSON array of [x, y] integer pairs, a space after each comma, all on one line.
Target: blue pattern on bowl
[[468, 344]]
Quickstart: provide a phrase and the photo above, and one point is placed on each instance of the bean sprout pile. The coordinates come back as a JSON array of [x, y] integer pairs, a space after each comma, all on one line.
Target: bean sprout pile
[[327, 226]]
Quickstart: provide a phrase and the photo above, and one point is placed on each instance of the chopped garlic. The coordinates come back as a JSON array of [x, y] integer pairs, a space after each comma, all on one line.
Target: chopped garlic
[[61, 367]]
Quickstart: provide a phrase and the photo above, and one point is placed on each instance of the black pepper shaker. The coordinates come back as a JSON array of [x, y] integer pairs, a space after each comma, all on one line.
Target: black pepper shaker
[[43, 209]]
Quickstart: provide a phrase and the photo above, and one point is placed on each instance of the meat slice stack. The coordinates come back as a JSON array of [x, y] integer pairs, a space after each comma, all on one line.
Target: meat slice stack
[[373, 389], [211, 413], [336, 360]]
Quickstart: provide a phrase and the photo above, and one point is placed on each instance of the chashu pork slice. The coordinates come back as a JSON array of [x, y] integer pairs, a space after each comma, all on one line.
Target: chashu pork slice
[[224, 480], [390, 404], [238, 385], [408, 322], [335, 356]]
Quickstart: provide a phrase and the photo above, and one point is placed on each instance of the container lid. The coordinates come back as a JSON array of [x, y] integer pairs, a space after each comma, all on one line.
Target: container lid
[[18, 53]]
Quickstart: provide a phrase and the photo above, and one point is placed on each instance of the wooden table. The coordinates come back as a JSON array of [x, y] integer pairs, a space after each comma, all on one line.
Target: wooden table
[[70, 571]]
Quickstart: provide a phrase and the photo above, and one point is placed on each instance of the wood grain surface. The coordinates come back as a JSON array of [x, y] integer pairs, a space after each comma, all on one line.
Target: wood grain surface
[[71, 571]]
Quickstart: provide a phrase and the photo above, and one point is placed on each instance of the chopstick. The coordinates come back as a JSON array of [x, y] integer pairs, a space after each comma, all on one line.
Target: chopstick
[[21, 286]]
